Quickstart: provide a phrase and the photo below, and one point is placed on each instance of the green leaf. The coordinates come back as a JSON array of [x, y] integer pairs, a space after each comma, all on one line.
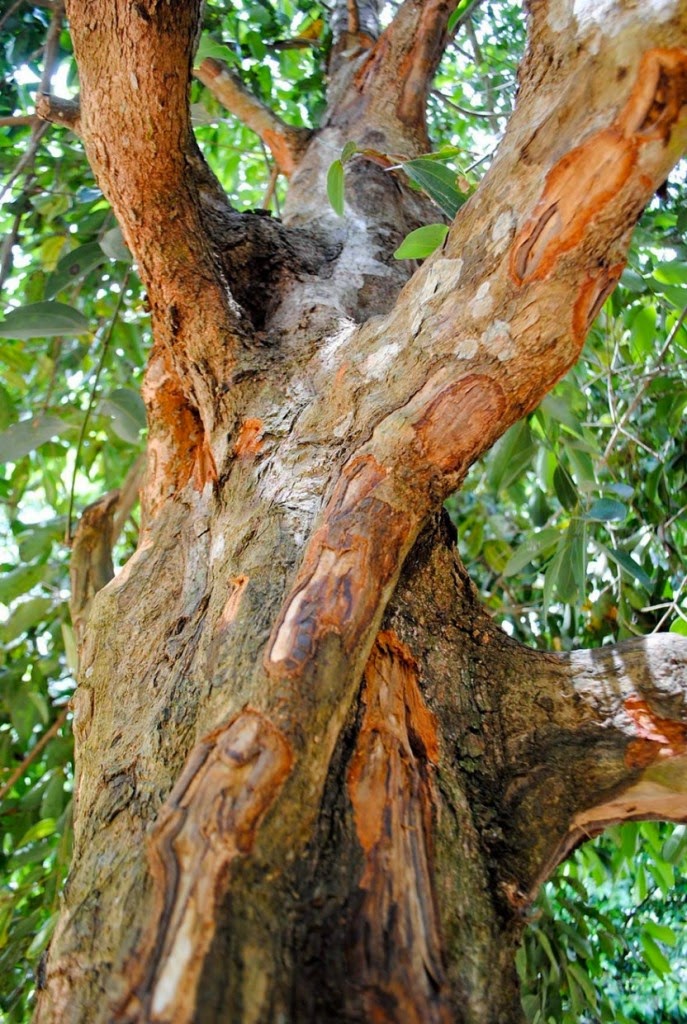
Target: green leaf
[[631, 567], [461, 8], [578, 972], [422, 242], [674, 272], [128, 413], [41, 830], [606, 510], [335, 187], [349, 150], [209, 48], [544, 942], [539, 508], [675, 845], [530, 1005], [256, 45], [44, 320], [496, 554], [42, 937], [643, 332], [534, 546], [511, 456], [658, 962], [74, 266], [7, 413], [37, 541], [27, 435], [20, 580], [26, 615], [565, 489], [439, 182], [558, 408], [661, 932], [113, 245]]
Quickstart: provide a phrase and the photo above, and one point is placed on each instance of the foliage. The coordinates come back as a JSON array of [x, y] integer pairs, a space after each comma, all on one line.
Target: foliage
[[574, 525], [607, 942]]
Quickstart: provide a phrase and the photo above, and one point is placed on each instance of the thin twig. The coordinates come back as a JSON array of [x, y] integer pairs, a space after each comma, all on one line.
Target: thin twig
[[91, 402], [464, 17], [31, 757], [490, 114], [672, 607], [15, 120], [271, 190]]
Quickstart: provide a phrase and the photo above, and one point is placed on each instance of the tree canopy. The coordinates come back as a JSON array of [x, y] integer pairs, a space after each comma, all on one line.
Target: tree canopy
[[574, 526]]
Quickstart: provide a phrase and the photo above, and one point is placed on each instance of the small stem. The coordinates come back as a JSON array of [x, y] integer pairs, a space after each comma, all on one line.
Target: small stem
[[30, 758]]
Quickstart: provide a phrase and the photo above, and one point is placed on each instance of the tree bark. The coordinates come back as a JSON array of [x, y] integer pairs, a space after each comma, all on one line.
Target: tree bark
[[309, 767]]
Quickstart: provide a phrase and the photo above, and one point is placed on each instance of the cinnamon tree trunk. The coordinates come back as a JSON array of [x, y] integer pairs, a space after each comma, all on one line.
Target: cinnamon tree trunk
[[314, 780]]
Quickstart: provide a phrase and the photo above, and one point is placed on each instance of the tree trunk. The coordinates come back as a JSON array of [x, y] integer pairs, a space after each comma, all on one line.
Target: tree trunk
[[314, 780]]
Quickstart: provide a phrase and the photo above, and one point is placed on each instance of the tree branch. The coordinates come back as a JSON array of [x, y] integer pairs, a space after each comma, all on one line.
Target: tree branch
[[15, 120], [158, 194], [285, 142], [355, 26], [477, 337], [399, 70], [56, 110], [599, 738]]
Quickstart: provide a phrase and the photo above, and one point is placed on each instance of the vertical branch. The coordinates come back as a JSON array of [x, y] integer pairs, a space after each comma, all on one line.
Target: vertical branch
[[396, 78], [355, 27]]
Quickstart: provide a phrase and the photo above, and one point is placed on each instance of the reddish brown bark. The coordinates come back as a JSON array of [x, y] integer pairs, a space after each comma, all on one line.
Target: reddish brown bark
[[302, 435]]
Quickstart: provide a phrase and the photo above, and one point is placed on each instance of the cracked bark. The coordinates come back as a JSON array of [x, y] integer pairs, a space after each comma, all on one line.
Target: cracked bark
[[238, 793]]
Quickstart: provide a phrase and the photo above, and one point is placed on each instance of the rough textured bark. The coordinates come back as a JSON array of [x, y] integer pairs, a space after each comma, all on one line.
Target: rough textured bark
[[309, 767]]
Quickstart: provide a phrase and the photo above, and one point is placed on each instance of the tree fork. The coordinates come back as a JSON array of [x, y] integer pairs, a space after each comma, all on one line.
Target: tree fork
[[280, 560]]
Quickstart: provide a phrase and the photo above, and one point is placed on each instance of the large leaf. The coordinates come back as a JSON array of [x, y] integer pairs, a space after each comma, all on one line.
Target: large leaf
[[74, 266], [27, 614], [439, 182], [7, 412], [210, 48], [21, 580], [23, 437], [534, 546], [654, 957], [128, 413], [43, 320], [606, 510], [628, 563], [422, 242]]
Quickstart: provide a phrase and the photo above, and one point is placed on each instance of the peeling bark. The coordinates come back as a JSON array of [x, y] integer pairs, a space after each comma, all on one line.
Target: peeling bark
[[397, 951], [259, 834]]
